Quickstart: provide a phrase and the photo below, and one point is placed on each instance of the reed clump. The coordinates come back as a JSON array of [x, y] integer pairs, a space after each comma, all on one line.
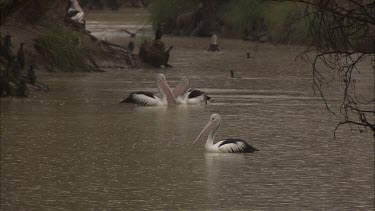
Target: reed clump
[[62, 49]]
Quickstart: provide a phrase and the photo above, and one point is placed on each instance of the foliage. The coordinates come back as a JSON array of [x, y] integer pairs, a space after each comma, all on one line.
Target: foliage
[[243, 14], [285, 22], [61, 47], [32, 11], [282, 21], [165, 11]]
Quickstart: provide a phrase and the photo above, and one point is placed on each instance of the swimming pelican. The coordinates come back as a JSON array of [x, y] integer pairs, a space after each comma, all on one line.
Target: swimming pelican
[[184, 95], [227, 145], [165, 96]]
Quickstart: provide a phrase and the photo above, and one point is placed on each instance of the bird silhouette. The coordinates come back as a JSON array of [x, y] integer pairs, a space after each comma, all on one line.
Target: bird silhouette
[[21, 56]]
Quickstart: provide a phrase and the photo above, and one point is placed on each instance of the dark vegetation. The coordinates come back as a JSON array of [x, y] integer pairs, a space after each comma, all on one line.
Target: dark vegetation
[[24, 25], [254, 20], [52, 41], [61, 48], [343, 35], [112, 4]]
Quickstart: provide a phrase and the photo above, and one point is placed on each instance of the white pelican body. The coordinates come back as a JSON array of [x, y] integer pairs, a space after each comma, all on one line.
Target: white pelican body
[[225, 146], [184, 95], [164, 97]]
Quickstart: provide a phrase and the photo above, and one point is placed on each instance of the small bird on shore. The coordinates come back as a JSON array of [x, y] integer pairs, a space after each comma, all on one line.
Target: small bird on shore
[[31, 75], [21, 56], [131, 47], [248, 54], [159, 31], [166, 56], [232, 74], [213, 46]]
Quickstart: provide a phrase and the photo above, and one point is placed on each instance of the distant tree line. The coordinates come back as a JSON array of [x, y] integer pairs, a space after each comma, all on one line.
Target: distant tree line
[[254, 20], [112, 4]]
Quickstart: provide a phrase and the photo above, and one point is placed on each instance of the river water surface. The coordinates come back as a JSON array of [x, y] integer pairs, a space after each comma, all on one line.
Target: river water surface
[[77, 148]]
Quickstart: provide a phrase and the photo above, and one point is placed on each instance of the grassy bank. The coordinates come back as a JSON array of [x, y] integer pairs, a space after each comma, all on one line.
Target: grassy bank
[[61, 48]]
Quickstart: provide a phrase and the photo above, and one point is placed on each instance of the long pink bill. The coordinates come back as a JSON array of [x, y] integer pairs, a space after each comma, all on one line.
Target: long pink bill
[[168, 93], [181, 87], [206, 130]]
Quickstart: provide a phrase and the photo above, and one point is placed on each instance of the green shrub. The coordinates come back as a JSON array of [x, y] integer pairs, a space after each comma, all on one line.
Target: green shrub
[[61, 48], [285, 22], [167, 10], [242, 15]]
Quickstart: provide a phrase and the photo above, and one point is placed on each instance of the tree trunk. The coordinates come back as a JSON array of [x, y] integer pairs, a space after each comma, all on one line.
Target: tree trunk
[[154, 53]]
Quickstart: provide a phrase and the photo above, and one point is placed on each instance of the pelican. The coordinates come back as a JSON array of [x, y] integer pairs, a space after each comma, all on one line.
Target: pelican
[[165, 96], [184, 95], [225, 146], [213, 46]]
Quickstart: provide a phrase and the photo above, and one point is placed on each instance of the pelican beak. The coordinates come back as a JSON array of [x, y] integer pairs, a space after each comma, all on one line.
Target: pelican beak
[[168, 92], [206, 130], [182, 87]]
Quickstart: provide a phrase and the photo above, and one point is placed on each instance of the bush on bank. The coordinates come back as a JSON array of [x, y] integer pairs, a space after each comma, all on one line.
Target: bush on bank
[[61, 48]]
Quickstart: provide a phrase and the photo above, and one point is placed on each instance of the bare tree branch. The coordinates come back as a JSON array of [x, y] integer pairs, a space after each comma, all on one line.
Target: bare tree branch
[[343, 34]]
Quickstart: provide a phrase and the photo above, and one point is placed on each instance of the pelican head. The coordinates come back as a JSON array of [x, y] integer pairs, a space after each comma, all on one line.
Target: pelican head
[[164, 89], [213, 125], [214, 39], [182, 87]]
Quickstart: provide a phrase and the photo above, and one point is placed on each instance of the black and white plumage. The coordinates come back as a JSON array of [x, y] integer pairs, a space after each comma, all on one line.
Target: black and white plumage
[[164, 97], [141, 98], [184, 95], [213, 46], [224, 146]]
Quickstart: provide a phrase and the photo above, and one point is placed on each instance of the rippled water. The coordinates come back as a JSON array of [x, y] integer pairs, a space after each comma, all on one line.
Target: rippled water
[[77, 148]]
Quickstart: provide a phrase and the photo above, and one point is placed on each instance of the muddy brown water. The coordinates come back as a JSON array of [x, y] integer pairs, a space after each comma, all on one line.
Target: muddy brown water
[[77, 148]]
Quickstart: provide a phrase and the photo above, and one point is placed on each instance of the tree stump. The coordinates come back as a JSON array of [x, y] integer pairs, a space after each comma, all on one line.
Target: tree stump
[[154, 53]]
